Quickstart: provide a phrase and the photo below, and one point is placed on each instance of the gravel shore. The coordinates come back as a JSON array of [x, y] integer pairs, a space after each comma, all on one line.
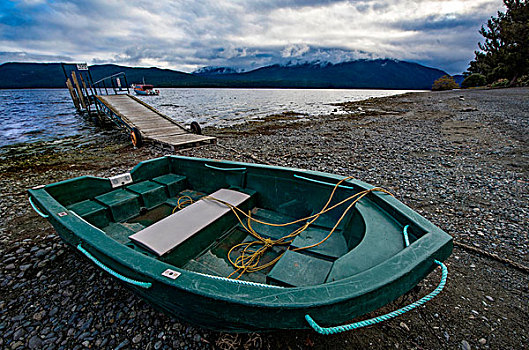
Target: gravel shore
[[459, 158]]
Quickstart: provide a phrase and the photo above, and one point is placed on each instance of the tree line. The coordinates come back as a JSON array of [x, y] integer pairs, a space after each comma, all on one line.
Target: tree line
[[503, 56]]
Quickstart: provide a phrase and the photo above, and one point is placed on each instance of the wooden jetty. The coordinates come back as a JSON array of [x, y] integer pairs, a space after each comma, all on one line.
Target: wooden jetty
[[154, 126], [107, 98]]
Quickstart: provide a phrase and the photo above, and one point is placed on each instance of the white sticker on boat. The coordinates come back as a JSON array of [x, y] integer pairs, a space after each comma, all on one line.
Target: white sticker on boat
[[172, 274], [120, 180]]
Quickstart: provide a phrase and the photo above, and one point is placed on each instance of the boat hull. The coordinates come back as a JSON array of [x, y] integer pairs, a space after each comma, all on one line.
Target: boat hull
[[146, 93], [225, 305]]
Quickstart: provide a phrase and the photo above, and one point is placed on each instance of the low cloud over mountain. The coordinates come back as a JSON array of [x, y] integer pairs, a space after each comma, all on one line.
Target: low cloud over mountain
[[246, 35]]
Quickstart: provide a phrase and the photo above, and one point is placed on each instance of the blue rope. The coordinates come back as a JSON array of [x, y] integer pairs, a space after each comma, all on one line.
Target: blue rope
[[375, 320], [36, 209], [239, 281], [406, 237], [112, 272]]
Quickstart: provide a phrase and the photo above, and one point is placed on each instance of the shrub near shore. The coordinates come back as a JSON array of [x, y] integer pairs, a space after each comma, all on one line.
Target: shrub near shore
[[446, 82]]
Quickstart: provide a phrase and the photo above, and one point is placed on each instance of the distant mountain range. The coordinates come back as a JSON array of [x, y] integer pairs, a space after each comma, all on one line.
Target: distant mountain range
[[375, 74]]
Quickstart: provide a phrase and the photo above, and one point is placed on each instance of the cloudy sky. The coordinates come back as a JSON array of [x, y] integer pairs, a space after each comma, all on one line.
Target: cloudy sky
[[246, 34]]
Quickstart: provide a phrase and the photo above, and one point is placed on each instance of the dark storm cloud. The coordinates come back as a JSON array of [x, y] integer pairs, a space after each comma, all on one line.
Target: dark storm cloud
[[26, 57], [187, 35], [436, 23]]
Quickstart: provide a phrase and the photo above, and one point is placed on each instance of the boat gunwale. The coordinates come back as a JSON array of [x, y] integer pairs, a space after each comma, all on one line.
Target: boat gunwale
[[255, 295]]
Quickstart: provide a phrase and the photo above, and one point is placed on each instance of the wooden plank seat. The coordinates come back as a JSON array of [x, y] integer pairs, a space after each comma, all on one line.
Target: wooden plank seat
[[167, 234]]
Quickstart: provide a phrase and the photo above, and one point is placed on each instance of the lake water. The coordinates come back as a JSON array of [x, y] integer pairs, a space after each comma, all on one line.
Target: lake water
[[48, 114]]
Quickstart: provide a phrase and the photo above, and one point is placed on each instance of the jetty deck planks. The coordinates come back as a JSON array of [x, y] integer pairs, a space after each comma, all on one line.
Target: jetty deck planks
[[154, 126]]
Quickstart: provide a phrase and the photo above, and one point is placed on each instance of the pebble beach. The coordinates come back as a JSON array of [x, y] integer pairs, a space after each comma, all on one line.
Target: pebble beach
[[459, 158]]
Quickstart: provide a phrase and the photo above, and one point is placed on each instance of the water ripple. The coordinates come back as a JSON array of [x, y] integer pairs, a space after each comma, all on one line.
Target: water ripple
[[48, 114]]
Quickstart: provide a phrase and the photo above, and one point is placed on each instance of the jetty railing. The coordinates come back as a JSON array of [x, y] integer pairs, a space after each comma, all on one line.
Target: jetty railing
[[83, 89], [109, 100], [115, 84]]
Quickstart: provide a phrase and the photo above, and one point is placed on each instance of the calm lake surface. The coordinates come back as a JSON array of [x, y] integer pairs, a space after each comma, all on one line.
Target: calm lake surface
[[48, 114]]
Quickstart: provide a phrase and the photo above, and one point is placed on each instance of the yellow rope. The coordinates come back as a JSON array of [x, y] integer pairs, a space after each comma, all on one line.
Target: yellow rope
[[182, 202], [250, 256]]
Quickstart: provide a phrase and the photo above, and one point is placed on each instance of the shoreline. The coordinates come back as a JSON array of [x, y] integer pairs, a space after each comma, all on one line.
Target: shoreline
[[459, 158], [225, 108]]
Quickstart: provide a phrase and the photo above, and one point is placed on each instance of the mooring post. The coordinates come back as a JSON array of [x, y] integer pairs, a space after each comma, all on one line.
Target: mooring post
[[93, 92], [92, 83], [72, 93], [78, 87], [87, 94]]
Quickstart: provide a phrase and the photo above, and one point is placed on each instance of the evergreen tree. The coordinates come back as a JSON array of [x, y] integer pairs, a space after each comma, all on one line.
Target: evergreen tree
[[474, 79], [505, 51]]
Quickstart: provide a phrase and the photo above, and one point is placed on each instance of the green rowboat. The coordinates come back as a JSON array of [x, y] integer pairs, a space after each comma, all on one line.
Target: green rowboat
[[206, 241]]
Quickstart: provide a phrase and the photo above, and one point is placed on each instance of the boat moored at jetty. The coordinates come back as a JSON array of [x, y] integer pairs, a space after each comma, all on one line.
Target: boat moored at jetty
[[246, 247], [145, 90]]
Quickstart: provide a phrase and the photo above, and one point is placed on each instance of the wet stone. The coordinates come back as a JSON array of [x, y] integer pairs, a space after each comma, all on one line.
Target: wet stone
[[17, 318], [39, 315], [136, 339], [24, 267], [53, 311], [35, 342], [18, 333], [40, 252], [122, 345], [16, 345]]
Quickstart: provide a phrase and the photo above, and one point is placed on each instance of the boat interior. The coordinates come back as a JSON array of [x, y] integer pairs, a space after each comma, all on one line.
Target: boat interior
[[145, 212]]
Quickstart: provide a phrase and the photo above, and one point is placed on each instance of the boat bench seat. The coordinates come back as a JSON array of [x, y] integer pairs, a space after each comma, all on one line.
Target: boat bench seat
[[91, 211], [167, 234], [299, 270], [151, 193], [333, 248], [172, 182], [383, 239], [123, 204]]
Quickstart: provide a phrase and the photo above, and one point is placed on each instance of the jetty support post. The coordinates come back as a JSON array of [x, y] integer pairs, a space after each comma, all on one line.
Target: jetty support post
[[86, 92], [92, 84], [92, 96], [72, 91], [73, 94], [78, 87]]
